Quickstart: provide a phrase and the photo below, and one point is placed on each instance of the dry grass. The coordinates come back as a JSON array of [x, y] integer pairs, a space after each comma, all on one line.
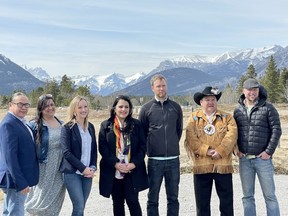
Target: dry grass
[[280, 156]]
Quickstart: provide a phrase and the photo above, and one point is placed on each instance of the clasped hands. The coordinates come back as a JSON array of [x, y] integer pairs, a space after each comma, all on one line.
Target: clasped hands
[[214, 154], [89, 172], [124, 168]]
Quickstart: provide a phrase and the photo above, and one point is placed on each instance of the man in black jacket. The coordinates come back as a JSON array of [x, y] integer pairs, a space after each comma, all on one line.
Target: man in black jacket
[[162, 121], [259, 131]]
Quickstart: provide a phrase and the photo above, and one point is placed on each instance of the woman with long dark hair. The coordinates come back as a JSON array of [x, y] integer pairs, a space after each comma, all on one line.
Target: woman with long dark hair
[[122, 167], [46, 198]]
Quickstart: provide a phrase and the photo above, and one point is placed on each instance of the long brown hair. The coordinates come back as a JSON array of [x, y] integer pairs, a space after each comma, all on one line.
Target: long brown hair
[[41, 105]]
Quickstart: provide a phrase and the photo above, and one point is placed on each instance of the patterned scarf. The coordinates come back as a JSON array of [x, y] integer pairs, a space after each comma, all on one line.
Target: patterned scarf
[[123, 145]]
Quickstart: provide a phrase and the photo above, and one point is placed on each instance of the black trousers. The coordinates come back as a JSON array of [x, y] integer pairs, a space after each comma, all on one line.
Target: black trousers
[[123, 190], [203, 189]]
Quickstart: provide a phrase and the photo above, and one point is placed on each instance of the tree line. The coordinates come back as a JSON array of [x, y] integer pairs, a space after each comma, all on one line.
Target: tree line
[[274, 80]]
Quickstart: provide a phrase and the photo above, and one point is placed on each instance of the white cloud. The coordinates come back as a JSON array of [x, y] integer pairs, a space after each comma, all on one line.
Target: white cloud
[[98, 37]]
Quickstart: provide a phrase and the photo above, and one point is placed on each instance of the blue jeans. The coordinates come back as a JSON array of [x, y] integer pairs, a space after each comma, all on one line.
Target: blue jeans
[[78, 188], [13, 203], [265, 173], [157, 170]]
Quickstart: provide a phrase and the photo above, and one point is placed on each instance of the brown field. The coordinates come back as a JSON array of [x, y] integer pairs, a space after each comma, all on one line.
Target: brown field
[[280, 156]]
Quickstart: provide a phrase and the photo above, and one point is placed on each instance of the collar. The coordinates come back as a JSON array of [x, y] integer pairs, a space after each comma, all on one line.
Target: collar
[[166, 98], [201, 114], [21, 119], [255, 102], [210, 117]]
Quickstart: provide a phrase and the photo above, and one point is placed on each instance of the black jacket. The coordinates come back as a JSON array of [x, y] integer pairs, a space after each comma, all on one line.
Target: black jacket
[[163, 124], [107, 149], [71, 144], [261, 130]]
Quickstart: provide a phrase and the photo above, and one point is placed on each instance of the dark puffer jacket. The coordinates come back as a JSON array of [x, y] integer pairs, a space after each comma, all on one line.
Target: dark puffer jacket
[[261, 130]]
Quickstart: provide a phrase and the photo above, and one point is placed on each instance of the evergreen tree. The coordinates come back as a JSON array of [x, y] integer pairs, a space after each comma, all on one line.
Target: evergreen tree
[[34, 96], [250, 73], [240, 84], [271, 81], [97, 105], [53, 88], [5, 101], [83, 91], [229, 96], [67, 90], [284, 85]]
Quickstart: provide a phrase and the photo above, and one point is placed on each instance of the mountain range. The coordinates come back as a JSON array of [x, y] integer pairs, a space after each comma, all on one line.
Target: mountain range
[[14, 77], [98, 84], [184, 74]]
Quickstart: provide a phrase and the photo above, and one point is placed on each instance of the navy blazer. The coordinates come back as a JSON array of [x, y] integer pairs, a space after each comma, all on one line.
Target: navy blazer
[[71, 144], [19, 166], [107, 149]]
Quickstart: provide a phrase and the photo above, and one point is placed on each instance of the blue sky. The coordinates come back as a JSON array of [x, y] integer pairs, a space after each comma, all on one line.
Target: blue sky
[[96, 37]]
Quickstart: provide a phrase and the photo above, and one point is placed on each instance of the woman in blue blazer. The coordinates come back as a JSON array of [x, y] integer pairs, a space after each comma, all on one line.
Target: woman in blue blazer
[[122, 167], [79, 147]]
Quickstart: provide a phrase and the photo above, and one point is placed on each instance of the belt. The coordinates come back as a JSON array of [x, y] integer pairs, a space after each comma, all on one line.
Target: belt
[[249, 156]]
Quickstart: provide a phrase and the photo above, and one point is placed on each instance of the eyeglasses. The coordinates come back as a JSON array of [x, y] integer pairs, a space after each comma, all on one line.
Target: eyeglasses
[[46, 96], [21, 105]]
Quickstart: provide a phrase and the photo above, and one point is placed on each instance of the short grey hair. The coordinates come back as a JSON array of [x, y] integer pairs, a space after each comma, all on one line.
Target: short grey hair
[[17, 94]]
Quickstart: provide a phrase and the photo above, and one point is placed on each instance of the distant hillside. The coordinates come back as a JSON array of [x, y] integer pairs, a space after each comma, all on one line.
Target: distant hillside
[[190, 74], [230, 64], [180, 81], [186, 74], [14, 77]]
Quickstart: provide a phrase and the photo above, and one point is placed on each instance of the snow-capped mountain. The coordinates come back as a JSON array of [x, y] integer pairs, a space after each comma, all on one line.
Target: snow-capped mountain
[[228, 63], [37, 72], [14, 77], [106, 84], [224, 68]]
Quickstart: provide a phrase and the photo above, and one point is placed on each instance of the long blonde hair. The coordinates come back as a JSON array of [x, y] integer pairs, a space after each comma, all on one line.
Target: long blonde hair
[[71, 117]]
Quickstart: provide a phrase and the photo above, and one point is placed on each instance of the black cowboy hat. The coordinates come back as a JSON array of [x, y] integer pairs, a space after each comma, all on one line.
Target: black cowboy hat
[[208, 91]]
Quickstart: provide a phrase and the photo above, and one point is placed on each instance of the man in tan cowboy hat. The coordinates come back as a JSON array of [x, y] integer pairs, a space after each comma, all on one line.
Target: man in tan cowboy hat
[[211, 136]]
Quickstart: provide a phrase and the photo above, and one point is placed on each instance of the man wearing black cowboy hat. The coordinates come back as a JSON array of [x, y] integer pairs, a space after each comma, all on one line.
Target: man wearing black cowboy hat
[[211, 136]]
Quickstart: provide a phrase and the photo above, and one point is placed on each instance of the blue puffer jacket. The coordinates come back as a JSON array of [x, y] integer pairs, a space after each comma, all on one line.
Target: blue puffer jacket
[[42, 148], [261, 130]]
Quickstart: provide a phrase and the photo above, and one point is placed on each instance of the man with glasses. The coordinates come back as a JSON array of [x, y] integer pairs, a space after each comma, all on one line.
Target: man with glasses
[[19, 168]]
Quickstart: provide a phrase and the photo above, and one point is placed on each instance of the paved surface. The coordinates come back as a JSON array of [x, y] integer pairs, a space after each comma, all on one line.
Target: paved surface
[[98, 205]]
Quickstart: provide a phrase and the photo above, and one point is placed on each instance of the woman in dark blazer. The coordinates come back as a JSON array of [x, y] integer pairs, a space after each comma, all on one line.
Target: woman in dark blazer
[[79, 147], [122, 167]]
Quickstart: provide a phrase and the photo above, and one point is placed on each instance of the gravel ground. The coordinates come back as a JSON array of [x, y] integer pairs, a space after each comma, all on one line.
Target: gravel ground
[[98, 205]]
